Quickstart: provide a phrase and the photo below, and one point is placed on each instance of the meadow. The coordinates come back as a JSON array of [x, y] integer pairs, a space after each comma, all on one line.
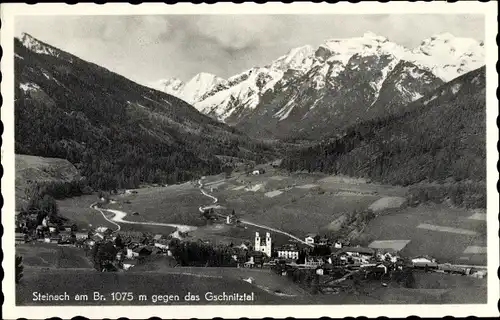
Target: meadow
[[443, 245], [41, 255]]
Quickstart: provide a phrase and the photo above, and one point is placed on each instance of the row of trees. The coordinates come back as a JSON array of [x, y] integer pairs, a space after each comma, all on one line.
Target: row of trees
[[202, 255]]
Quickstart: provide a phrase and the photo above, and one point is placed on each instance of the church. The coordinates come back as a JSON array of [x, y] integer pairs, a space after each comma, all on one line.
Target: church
[[263, 245]]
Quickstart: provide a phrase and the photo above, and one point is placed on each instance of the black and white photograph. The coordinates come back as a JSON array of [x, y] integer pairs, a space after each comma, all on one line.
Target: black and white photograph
[[278, 159]]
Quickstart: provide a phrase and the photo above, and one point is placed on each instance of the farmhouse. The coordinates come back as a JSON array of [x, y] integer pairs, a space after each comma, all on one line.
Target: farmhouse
[[358, 254], [129, 263], [424, 261], [310, 238]]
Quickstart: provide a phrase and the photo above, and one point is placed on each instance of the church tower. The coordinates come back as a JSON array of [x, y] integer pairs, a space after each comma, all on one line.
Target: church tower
[[268, 244], [257, 242]]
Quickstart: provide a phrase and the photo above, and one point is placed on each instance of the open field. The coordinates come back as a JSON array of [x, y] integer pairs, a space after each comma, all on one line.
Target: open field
[[298, 211], [173, 204], [78, 210], [439, 243], [43, 255]]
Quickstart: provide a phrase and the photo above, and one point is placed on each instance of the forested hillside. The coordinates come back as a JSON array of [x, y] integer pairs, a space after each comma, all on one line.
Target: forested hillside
[[438, 138], [116, 132]]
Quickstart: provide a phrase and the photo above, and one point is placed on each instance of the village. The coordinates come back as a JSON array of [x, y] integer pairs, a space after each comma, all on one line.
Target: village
[[317, 263]]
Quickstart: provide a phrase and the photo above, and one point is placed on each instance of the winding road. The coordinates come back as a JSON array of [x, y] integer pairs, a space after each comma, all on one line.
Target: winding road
[[215, 200], [118, 217]]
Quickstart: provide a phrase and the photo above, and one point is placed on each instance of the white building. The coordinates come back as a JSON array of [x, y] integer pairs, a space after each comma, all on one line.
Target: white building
[[288, 252], [263, 246], [256, 172], [309, 239]]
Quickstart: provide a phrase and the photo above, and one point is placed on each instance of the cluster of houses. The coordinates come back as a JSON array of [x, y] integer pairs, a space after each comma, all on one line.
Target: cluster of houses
[[46, 232], [325, 256], [134, 249]]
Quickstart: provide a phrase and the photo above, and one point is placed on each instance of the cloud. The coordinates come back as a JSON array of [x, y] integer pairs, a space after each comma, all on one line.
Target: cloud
[[146, 48], [239, 32]]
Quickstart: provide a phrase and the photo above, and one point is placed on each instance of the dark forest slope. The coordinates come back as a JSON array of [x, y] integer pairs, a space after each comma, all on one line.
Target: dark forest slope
[[117, 132], [439, 137]]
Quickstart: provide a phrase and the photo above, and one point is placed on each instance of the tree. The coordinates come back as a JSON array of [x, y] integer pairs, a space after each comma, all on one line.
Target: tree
[[119, 242], [104, 255], [19, 268]]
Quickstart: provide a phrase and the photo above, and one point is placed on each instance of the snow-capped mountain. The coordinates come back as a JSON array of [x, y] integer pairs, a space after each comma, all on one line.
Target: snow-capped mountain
[[314, 91], [193, 90], [39, 47]]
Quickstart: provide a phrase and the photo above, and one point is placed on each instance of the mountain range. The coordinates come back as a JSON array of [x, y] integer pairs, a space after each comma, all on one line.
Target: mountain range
[[118, 133], [312, 93]]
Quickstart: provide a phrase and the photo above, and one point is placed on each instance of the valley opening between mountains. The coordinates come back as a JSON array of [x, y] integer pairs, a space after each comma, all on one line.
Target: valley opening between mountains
[[350, 173]]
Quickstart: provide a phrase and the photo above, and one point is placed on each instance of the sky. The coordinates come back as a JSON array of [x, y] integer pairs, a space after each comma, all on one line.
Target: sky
[[152, 47]]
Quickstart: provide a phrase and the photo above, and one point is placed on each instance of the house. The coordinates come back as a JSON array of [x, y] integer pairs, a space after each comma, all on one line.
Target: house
[[97, 237], [256, 172], [276, 163], [101, 229], [243, 246], [55, 238], [288, 252], [337, 245], [229, 220], [320, 271], [359, 251], [391, 256], [314, 261], [357, 255], [257, 258], [131, 254], [129, 263], [310, 238], [323, 241], [20, 238], [143, 251], [161, 246], [249, 280], [157, 237], [81, 235], [423, 262]]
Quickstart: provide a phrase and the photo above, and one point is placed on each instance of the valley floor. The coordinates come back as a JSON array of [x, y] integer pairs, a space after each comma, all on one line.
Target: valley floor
[[296, 204]]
